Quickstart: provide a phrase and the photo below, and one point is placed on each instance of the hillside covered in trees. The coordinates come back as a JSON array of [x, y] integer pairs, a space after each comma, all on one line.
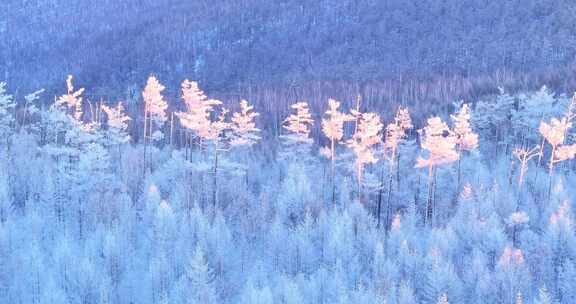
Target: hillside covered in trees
[[229, 45]]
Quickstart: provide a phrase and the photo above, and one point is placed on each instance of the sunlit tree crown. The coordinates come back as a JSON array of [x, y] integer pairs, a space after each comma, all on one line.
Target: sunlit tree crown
[[198, 109], [154, 100], [366, 136], [439, 141], [466, 139], [72, 100], [299, 123], [243, 126]]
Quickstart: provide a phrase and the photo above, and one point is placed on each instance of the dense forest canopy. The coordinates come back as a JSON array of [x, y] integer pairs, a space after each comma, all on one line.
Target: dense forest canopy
[[113, 45]]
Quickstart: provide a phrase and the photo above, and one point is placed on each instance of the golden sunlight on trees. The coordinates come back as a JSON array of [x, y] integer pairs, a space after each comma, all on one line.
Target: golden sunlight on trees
[[395, 134], [299, 123], [466, 139], [154, 112], [198, 110], [333, 128], [440, 143], [244, 131], [72, 100], [362, 143]]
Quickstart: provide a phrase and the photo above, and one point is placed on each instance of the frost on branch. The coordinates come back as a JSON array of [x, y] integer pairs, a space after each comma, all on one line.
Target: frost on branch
[[243, 126]]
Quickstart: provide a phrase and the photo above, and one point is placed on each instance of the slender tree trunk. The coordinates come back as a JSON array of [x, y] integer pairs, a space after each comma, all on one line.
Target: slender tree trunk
[[215, 180], [332, 161], [380, 194]]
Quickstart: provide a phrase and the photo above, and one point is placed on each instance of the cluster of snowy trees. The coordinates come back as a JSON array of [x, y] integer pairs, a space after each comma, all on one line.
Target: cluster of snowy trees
[[473, 206]]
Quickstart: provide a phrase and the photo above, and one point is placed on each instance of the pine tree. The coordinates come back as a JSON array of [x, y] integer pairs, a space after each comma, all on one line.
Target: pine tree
[[440, 142]]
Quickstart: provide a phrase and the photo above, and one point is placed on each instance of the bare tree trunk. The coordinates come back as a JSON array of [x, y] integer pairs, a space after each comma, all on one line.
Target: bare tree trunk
[[215, 180]]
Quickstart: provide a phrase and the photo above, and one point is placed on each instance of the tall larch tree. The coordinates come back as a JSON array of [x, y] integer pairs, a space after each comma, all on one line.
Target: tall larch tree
[[363, 142], [333, 128], [7, 105], [154, 112], [440, 143], [394, 136]]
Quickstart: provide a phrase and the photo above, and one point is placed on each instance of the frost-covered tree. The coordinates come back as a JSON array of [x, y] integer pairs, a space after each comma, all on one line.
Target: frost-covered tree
[[7, 106], [333, 128], [243, 126], [466, 139], [199, 109], [199, 280], [394, 136], [72, 100], [440, 143], [154, 113], [366, 136], [117, 124]]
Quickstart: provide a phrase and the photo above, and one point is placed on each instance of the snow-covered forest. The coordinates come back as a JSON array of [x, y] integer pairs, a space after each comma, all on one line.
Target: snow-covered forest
[[207, 201]]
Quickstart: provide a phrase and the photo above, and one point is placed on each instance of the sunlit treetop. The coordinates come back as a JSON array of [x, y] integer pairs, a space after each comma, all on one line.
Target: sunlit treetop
[[299, 123], [243, 126], [117, 117], [198, 109], [72, 100], [555, 132], [333, 125], [154, 101], [466, 139], [439, 141], [396, 130], [366, 136]]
